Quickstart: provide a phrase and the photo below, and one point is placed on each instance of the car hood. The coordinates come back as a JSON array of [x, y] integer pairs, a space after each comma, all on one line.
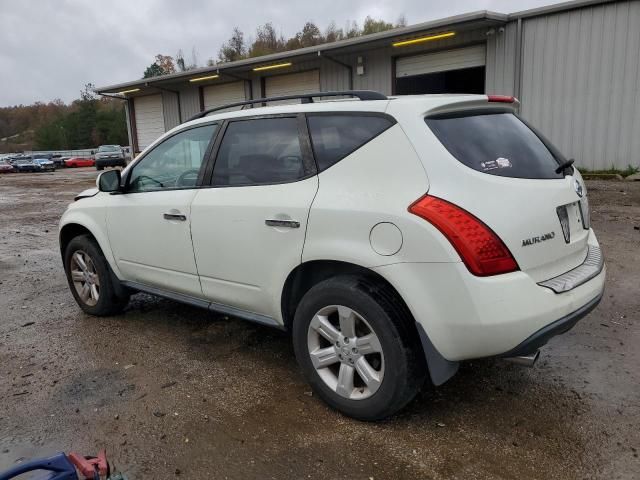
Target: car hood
[[90, 192]]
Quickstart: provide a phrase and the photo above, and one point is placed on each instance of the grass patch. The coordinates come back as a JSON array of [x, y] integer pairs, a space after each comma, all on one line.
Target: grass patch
[[630, 170]]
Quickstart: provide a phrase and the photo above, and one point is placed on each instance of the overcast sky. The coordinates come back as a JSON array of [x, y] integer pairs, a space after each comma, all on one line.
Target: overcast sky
[[50, 49]]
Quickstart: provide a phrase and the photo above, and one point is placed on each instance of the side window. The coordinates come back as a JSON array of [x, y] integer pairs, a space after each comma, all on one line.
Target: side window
[[174, 163], [258, 152], [336, 136]]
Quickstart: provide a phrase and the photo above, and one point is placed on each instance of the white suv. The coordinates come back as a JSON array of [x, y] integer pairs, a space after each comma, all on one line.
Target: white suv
[[394, 237]]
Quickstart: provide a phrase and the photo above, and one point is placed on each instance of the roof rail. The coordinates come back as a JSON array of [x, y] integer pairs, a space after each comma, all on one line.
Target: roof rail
[[305, 97]]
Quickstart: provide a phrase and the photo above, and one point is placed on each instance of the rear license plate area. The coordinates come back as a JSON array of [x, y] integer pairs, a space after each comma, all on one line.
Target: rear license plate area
[[570, 216]]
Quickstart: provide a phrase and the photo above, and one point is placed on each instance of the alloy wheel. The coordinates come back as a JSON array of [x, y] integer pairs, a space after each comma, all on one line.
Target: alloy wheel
[[85, 277], [346, 352]]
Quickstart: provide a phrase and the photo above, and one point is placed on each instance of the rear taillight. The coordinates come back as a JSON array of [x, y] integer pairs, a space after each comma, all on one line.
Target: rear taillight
[[502, 98], [480, 248]]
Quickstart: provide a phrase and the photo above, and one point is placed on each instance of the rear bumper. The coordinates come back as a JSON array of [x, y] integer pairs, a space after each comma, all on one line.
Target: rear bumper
[[467, 317], [560, 326]]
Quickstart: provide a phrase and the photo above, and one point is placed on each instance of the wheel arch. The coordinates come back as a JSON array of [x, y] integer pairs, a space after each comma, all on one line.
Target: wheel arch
[[307, 274], [73, 226], [69, 231]]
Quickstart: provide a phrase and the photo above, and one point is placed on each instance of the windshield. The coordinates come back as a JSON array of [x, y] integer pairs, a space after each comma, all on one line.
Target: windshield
[[109, 148], [497, 144]]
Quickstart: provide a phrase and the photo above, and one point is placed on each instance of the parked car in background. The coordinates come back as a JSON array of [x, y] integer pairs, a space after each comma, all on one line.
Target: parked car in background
[[79, 162], [45, 164], [109, 156], [25, 164], [58, 160], [5, 167]]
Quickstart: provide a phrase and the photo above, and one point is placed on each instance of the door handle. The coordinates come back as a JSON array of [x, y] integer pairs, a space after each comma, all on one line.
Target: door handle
[[175, 216], [282, 223]]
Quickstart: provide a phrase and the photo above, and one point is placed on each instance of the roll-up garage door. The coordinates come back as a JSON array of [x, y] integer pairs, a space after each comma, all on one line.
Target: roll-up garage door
[[292, 83], [456, 59], [223, 94], [149, 119]]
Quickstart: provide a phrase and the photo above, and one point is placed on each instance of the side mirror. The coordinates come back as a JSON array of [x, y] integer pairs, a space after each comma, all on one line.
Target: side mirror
[[93, 152], [109, 181]]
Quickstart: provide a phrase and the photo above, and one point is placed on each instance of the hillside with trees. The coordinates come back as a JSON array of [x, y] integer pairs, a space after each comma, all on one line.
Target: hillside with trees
[[86, 122]]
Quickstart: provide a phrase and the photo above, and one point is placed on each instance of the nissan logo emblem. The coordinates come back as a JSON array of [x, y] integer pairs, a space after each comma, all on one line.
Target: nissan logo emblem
[[577, 186]]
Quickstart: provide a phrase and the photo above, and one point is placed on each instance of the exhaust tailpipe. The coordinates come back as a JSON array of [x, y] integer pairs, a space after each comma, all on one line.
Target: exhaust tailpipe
[[525, 360]]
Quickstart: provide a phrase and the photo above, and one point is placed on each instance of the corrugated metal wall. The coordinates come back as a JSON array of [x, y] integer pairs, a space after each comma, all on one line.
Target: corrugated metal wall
[[189, 101], [378, 63], [378, 73], [171, 110], [580, 82], [501, 61]]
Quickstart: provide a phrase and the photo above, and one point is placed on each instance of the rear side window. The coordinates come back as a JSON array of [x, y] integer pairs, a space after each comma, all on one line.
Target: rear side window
[[497, 144], [336, 136], [259, 152]]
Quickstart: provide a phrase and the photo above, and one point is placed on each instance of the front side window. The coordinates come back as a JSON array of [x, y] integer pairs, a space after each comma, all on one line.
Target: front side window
[[258, 152], [336, 136], [174, 163]]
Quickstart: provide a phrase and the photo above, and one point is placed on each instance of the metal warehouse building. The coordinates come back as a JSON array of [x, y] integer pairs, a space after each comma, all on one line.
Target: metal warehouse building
[[574, 66]]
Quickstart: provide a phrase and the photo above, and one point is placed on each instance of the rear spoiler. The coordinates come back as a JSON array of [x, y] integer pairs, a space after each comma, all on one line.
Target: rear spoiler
[[476, 105]]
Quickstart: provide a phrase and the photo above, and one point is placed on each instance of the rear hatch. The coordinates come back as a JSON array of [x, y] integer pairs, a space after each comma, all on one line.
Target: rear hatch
[[491, 163]]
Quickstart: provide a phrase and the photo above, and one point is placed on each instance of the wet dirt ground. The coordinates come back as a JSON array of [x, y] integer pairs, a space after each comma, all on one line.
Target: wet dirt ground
[[175, 392]]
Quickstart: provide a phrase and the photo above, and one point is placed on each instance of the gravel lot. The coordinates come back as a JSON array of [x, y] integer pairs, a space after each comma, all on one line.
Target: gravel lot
[[172, 391]]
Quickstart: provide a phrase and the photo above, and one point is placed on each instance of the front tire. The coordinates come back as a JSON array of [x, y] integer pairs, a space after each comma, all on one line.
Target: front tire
[[358, 348], [93, 285]]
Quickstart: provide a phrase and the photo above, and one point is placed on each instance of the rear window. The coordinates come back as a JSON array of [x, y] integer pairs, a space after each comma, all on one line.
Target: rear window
[[497, 144], [108, 148], [337, 135]]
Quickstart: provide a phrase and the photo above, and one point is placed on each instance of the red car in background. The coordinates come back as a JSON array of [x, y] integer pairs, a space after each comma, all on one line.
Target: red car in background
[[5, 167], [79, 162]]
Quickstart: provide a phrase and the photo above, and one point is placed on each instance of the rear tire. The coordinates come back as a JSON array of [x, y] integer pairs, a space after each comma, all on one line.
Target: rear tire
[[342, 363], [93, 285]]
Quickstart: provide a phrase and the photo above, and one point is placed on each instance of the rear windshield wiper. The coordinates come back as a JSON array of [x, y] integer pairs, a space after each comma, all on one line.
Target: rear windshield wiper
[[564, 165]]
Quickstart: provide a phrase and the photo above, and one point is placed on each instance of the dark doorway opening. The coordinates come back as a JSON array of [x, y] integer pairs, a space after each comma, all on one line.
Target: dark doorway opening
[[466, 80]]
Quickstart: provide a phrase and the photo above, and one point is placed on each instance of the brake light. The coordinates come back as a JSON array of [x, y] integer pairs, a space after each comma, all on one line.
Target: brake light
[[502, 98], [480, 248]]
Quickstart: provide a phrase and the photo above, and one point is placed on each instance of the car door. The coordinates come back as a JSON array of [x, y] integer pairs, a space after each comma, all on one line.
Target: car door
[[248, 228], [149, 224]]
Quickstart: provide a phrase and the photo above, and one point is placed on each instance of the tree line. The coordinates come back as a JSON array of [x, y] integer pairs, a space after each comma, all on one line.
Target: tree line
[[266, 40], [84, 123]]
